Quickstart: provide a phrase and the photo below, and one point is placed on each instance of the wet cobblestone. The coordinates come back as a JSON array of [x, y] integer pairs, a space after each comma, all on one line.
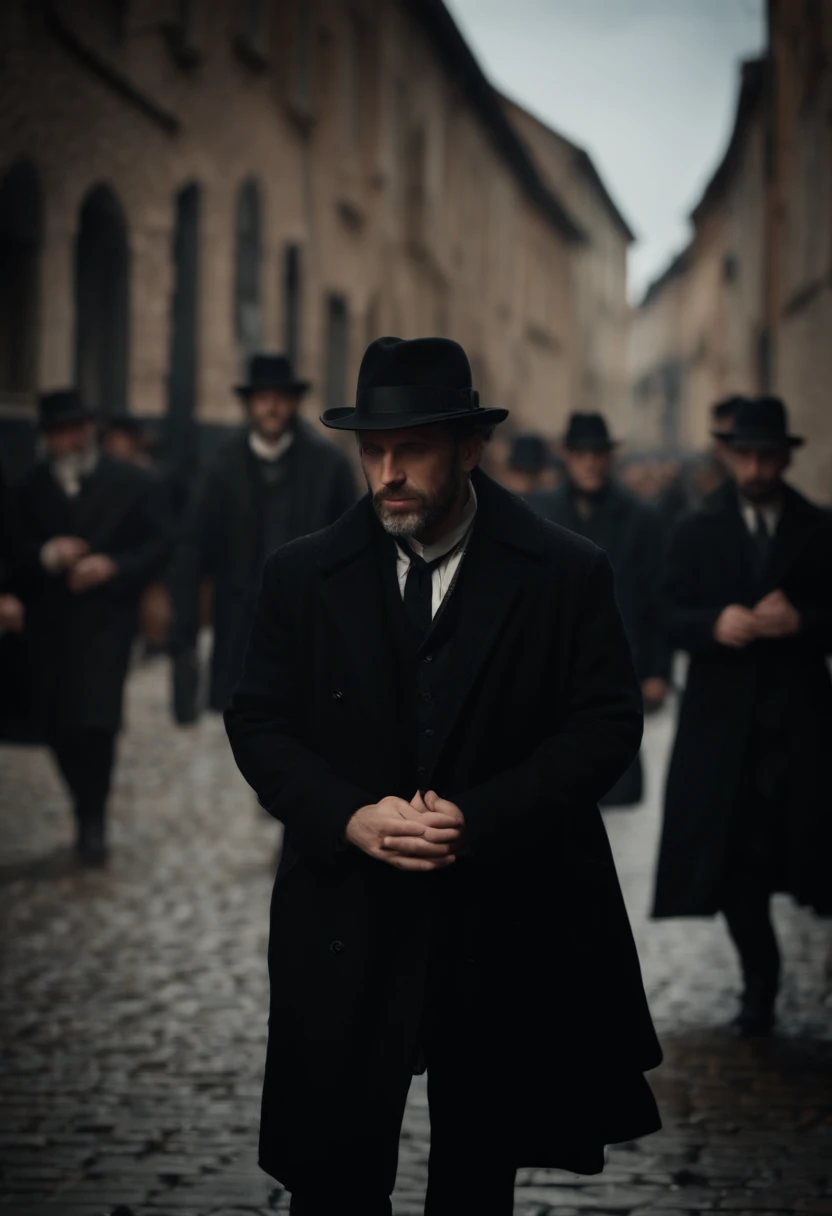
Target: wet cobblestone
[[133, 1010]]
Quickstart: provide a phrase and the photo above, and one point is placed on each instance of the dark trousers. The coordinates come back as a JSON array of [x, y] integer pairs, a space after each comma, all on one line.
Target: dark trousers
[[469, 1170], [85, 758], [747, 912]]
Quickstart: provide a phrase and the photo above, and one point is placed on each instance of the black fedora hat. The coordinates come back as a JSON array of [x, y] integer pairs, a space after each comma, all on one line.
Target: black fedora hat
[[62, 407], [414, 382], [761, 422], [529, 454], [271, 372], [725, 409], [588, 431]]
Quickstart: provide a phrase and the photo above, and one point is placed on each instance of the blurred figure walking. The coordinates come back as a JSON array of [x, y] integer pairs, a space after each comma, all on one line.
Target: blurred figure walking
[[591, 503], [529, 465], [749, 596], [276, 481], [99, 532]]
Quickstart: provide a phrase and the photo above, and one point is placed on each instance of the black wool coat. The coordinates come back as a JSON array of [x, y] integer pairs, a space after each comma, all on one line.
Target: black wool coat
[[631, 534], [542, 714], [80, 643], [222, 541], [729, 692]]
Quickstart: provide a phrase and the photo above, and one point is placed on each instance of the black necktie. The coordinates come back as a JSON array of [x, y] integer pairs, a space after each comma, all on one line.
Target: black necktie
[[418, 591], [762, 540]]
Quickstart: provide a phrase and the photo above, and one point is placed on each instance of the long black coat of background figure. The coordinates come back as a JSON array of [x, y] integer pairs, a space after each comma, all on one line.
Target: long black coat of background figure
[[319, 728], [80, 643], [223, 541], [630, 533]]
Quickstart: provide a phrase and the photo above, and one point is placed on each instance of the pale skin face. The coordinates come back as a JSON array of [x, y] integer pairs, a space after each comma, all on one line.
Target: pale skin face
[[124, 445], [68, 439], [758, 472], [588, 469], [271, 412], [418, 477]]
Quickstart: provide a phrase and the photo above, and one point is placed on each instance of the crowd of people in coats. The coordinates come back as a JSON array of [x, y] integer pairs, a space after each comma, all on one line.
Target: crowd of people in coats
[[742, 584]]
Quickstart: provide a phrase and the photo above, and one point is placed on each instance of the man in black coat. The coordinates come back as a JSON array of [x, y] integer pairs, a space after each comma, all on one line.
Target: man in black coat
[[749, 596], [98, 528], [592, 504], [437, 690], [275, 481]]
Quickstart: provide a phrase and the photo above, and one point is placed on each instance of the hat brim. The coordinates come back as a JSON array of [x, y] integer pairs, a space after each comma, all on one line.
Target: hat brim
[[295, 388], [349, 419], [52, 424], [739, 440]]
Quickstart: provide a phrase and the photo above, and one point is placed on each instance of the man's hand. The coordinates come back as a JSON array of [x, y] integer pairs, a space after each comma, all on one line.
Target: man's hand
[[736, 626], [393, 831], [91, 571], [654, 691], [62, 552], [776, 616], [445, 819], [12, 614]]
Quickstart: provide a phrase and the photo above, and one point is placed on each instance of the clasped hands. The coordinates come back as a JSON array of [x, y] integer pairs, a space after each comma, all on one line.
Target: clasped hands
[[773, 617], [422, 835], [85, 570]]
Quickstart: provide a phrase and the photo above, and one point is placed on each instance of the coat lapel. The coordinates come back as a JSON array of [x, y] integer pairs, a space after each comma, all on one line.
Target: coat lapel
[[352, 592], [506, 534], [794, 532]]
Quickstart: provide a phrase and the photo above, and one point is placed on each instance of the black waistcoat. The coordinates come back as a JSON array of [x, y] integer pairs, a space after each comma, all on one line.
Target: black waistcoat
[[423, 669]]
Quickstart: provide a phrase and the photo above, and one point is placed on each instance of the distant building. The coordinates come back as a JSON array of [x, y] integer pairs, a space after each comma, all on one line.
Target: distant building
[[747, 306], [602, 313], [181, 184]]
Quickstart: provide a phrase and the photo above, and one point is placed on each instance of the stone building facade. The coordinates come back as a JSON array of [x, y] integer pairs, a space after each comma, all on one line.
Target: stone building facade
[[747, 306], [182, 183], [602, 313]]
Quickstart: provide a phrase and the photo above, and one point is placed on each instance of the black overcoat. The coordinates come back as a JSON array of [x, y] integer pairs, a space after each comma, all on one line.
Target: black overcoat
[[80, 643], [222, 541], [710, 565], [630, 533], [543, 713]]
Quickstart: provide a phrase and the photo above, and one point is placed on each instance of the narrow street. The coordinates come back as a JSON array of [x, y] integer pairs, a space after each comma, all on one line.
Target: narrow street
[[133, 1009]]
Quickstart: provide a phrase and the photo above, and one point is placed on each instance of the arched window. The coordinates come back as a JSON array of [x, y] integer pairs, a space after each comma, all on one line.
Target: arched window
[[184, 325], [247, 310], [102, 275], [20, 239]]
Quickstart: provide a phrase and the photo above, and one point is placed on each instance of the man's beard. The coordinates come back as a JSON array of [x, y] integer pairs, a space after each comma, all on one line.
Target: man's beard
[[433, 510], [761, 493]]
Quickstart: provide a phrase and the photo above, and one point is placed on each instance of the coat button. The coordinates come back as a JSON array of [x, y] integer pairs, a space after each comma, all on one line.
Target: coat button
[[430, 732], [337, 695], [425, 696], [427, 658], [421, 770], [336, 947]]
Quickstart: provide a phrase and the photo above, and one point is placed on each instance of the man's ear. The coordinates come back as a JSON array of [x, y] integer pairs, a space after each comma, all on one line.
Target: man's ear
[[471, 449]]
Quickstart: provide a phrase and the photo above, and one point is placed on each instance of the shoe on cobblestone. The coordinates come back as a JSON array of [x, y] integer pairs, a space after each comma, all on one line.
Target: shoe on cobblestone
[[753, 1022], [91, 847]]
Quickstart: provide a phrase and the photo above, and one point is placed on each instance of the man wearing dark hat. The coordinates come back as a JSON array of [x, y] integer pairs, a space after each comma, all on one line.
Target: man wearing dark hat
[[591, 503], [98, 527], [528, 464], [275, 481], [749, 596], [437, 690]]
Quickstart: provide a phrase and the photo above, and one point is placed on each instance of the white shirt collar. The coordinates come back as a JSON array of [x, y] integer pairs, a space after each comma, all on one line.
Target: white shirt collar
[[446, 543], [270, 451], [771, 513]]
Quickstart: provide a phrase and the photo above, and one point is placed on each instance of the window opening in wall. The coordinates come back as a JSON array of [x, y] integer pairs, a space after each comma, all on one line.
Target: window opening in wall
[[247, 307], [292, 302], [337, 352], [184, 327], [20, 242], [101, 302]]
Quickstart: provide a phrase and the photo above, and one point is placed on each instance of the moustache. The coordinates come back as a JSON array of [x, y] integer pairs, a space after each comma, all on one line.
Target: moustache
[[387, 493]]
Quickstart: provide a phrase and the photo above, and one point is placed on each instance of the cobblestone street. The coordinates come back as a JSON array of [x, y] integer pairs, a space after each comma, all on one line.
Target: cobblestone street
[[133, 1008]]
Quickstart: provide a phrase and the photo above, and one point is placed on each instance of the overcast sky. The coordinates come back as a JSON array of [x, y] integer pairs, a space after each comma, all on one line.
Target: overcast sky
[[648, 87]]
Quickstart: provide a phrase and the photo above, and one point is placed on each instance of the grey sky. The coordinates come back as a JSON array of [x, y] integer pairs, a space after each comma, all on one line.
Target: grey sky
[[648, 87]]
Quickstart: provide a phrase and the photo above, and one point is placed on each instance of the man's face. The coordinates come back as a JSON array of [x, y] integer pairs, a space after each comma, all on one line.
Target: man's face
[[271, 412], [124, 445], [758, 472], [71, 438], [588, 469], [417, 475]]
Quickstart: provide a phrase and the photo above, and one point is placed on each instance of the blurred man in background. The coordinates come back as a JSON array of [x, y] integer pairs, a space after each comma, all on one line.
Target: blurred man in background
[[592, 504], [529, 465], [749, 596], [275, 481], [99, 533]]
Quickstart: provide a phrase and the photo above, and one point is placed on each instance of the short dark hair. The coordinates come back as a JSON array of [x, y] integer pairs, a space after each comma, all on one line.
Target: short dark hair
[[463, 428]]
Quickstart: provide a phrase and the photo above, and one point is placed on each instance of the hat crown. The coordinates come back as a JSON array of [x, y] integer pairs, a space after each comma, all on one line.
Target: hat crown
[[529, 453], [414, 363], [62, 405], [764, 414], [267, 371], [587, 429]]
